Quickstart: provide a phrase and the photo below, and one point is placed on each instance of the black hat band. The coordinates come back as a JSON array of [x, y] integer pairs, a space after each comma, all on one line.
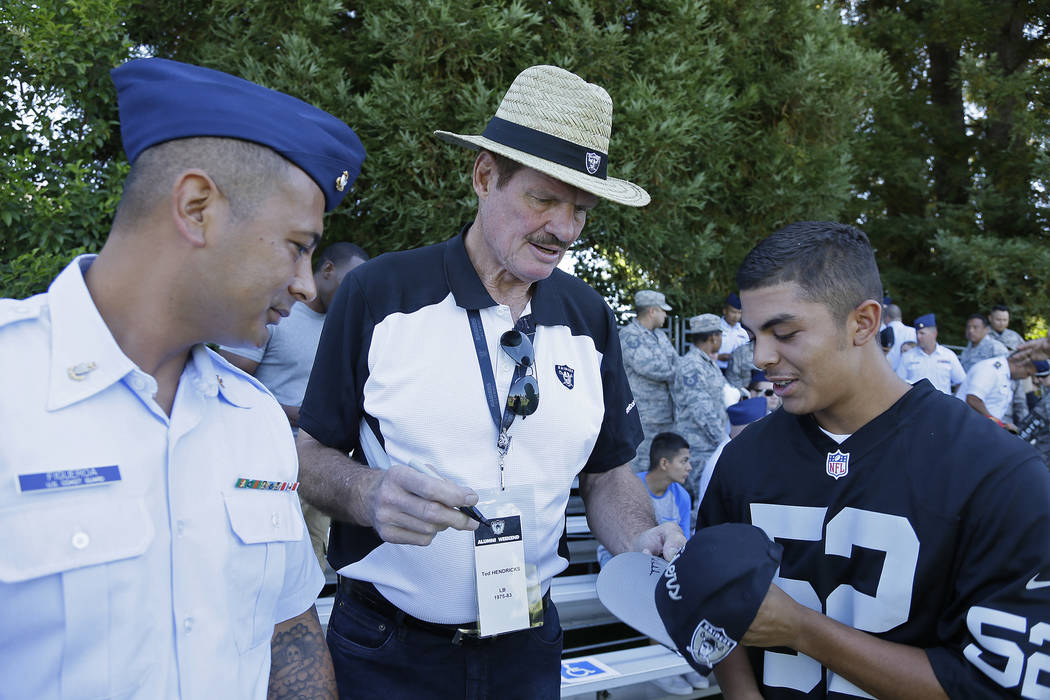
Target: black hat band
[[551, 148]]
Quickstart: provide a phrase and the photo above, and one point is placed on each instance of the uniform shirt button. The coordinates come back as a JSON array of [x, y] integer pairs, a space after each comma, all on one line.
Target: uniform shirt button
[[187, 625], [180, 528], [81, 540], [137, 383], [276, 520]]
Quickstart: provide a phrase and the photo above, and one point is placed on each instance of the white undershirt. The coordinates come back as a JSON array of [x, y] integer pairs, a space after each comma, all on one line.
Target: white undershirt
[[839, 438]]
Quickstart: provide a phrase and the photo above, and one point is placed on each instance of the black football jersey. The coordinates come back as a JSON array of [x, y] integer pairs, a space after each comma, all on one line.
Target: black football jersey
[[929, 526]]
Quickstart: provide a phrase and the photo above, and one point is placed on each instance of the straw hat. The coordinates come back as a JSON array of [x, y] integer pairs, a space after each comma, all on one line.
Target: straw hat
[[559, 124]]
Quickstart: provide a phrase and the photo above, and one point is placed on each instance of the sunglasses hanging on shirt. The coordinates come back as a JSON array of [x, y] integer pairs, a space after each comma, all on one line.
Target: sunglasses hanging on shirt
[[523, 397]]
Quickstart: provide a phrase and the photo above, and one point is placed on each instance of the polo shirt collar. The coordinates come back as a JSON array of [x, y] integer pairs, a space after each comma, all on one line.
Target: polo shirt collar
[[470, 293], [85, 358]]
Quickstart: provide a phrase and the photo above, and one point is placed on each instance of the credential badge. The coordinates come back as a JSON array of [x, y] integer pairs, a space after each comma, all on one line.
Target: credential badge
[[593, 161], [837, 465], [566, 374]]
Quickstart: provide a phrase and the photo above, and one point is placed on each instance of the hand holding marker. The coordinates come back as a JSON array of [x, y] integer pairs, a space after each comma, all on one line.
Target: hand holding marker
[[471, 512]]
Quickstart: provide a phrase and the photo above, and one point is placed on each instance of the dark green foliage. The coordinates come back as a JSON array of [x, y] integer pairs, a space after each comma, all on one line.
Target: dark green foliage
[[738, 117]]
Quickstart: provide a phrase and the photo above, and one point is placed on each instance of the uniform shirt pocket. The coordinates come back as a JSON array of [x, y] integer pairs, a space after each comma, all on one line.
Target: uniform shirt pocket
[[263, 523], [75, 561]]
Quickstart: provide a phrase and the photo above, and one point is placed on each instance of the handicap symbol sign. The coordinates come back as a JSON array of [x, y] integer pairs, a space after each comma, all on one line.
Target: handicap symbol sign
[[576, 670]]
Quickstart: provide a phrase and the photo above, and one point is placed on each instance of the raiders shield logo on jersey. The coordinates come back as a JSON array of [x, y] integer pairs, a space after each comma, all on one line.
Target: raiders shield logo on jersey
[[566, 374], [837, 465]]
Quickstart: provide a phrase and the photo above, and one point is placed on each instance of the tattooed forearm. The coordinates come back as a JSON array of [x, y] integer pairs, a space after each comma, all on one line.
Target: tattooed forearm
[[301, 667]]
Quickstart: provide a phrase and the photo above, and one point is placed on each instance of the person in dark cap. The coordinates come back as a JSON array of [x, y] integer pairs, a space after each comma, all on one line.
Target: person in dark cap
[[482, 371], [915, 533], [155, 547], [930, 360], [733, 333]]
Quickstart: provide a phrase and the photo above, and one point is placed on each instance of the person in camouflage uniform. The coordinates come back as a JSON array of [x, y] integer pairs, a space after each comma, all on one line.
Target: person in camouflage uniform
[[982, 344], [741, 364], [1000, 319], [649, 361], [1035, 428], [700, 414]]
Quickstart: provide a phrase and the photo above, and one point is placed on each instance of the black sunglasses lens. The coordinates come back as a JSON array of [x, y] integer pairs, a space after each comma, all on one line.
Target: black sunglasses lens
[[524, 396], [518, 346]]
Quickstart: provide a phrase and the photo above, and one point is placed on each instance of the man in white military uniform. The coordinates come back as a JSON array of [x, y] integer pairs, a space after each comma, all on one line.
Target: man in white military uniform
[[733, 332], [153, 542], [988, 388], [930, 360]]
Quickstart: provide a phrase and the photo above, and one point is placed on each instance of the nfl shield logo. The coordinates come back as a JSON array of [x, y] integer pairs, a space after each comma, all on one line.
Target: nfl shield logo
[[838, 464], [566, 374], [593, 161]]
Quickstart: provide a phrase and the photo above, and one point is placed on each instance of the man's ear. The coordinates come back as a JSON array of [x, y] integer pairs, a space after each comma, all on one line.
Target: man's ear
[[327, 269], [485, 174], [195, 200], [866, 319]]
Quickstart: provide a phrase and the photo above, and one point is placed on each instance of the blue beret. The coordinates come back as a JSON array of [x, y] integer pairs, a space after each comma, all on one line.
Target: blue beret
[[927, 321], [1042, 368], [747, 411], [758, 375], [733, 300], [162, 100], [887, 300]]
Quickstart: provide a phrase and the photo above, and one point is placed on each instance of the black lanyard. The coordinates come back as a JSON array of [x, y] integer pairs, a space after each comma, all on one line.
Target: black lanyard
[[477, 330]]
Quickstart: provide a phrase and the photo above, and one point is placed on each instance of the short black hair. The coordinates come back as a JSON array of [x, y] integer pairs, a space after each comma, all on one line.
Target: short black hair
[[699, 337], [665, 446], [339, 253], [244, 172], [984, 319], [1001, 307], [833, 263]]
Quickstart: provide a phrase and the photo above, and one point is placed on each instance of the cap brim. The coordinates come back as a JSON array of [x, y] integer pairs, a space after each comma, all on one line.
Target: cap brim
[[665, 307], [626, 586], [619, 191]]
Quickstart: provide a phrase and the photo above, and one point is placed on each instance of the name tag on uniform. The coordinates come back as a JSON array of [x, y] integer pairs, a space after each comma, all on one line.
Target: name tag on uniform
[[499, 569], [61, 479]]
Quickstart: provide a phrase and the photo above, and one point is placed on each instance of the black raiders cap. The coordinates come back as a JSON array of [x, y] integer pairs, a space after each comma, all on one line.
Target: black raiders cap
[[701, 602]]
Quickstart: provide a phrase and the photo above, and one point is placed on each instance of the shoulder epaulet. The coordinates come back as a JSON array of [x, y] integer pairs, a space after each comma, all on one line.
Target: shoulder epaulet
[[236, 384], [15, 310]]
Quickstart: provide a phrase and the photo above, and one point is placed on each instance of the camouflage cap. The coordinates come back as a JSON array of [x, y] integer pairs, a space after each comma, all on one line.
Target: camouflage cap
[[649, 297]]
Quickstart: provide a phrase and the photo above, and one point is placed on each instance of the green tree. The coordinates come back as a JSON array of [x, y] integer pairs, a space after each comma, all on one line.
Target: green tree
[[60, 146], [737, 117], [954, 166]]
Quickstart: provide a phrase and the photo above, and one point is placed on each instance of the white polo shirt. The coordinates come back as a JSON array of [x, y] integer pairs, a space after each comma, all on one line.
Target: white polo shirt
[[941, 367], [989, 380], [397, 349], [167, 581]]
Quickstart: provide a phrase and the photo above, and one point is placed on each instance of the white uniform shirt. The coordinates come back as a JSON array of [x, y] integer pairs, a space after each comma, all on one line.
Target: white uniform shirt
[[732, 337], [901, 334], [167, 582], [941, 367], [989, 380]]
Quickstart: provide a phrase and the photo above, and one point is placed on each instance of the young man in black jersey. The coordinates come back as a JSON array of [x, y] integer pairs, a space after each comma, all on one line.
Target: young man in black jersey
[[916, 533]]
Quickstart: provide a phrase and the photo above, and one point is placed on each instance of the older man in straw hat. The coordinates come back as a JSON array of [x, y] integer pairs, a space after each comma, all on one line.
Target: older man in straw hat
[[482, 376]]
